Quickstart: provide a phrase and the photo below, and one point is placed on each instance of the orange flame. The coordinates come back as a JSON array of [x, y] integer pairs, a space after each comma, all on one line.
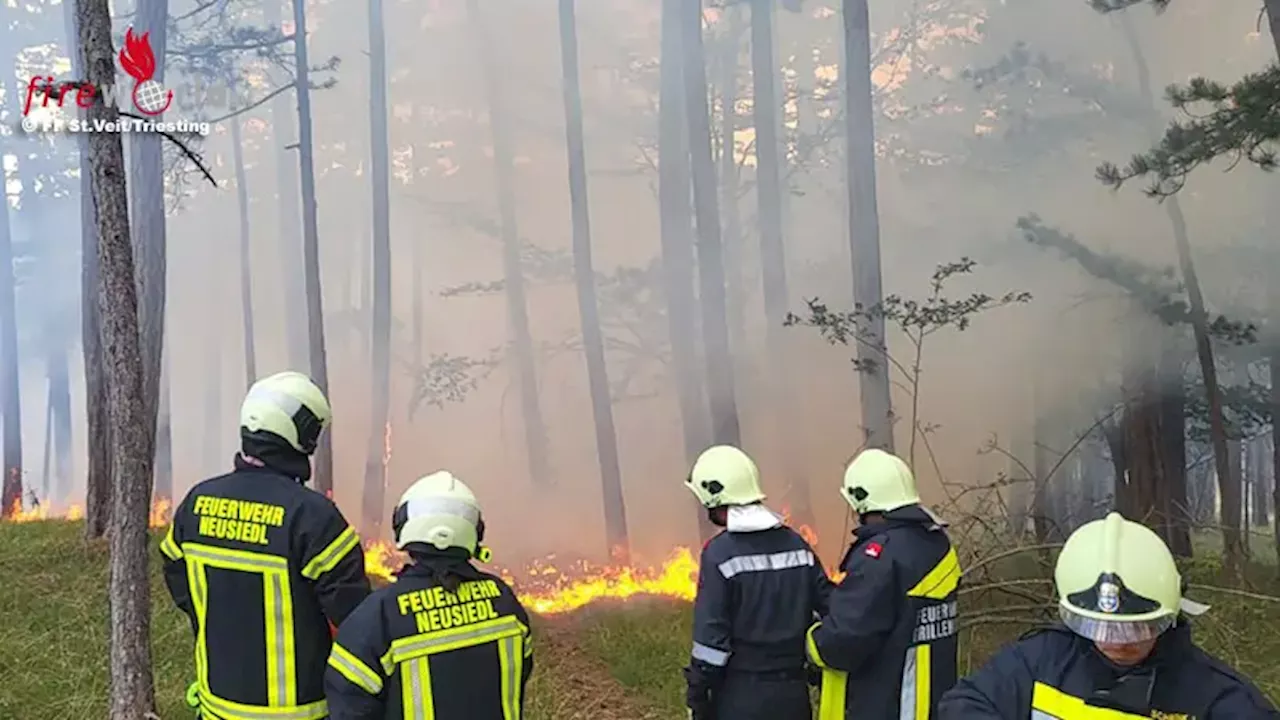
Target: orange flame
[[161, 512]]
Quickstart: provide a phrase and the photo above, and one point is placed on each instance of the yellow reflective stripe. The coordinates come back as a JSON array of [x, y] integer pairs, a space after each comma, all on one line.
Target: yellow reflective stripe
[[332, 554], [941, 581], [278, 614], [811, 647], [924, 667], [199, 598], [1050, 703], [510, 664], [415, 690], [229, 710], [169, 547], [528, 643], [353, 669], [235, 559], [831, 702], [478, 634]]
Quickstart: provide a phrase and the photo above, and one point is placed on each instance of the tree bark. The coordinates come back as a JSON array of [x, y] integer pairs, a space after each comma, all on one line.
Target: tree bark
[[715, 330], [418, 258], [11, 492], [323, 462], [1273, 22], [864, 225], [1273, 361], [517, 305], [677, 243], [1228, 483], [734, 248], [615, 509], [1173, 413], [375, 471], [147, 219], [132, 454], [246, 259], [1260, 483]]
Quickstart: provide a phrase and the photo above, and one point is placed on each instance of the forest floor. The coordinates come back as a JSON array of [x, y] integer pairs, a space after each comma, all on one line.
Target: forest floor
[[607, 662]]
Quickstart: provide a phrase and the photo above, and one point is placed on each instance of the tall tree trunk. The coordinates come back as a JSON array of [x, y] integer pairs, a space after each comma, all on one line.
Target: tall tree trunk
[[615, 509], [246, 260], [734, 255], [1273, 362], [677, 242], [1228, 483], [323, 462], [1273, 21], [417, 256], [1261, 484], [517, 305], [1173, 423], [773, 259], [715, 330], [284, 121], [147, 219], [214, 430], [375, 479], [11, 405], [864, 225], [132, 454]]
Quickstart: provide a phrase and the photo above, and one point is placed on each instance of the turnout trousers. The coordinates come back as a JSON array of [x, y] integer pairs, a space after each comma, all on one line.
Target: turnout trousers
[[763, 696]]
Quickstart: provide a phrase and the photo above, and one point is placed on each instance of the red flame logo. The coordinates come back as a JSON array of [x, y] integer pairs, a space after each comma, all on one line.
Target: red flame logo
[[137, 59]]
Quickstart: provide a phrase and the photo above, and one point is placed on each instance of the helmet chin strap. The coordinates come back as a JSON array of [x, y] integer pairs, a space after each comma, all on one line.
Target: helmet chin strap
[[483, 554]]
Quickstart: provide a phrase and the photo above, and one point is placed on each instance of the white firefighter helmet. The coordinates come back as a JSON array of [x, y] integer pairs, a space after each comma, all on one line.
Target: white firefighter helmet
[[877, 481], [1117, 582], [724, 475], [289, 405], [441, 511]]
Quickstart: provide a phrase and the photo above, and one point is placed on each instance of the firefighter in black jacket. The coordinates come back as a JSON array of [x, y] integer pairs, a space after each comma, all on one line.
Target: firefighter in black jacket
[[445, 641], [1123, 650], [887, 647], [760, 586], [262, 565]]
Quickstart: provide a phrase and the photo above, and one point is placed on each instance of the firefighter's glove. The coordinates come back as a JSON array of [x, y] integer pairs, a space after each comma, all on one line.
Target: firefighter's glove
[[700, 694]]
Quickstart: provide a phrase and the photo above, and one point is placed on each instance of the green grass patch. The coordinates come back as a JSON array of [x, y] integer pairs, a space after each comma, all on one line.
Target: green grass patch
[[644, 646]]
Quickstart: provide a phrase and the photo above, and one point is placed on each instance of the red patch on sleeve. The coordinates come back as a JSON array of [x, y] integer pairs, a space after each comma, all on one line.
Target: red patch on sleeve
[[873, 550]]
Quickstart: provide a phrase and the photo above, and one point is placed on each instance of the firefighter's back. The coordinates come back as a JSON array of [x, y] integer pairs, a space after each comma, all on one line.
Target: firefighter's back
[[268, 563]]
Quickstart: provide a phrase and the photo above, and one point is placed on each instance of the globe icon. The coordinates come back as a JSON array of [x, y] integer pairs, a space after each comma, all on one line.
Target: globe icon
[[151, 97]]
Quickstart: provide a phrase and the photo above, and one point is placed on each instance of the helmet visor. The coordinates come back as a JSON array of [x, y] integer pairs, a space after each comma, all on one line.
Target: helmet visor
[[1114, 631]]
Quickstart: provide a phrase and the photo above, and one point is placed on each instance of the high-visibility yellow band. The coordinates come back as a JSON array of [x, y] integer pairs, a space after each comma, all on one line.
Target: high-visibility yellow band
[[1050, 703], [354, 670], [811, 647], [333, 553], [229, 710], [941, 581], [169, 547]]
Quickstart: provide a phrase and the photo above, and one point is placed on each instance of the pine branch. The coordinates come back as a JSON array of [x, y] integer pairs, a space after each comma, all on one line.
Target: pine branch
[[1243, 123], [1106, 6], [216, 49]]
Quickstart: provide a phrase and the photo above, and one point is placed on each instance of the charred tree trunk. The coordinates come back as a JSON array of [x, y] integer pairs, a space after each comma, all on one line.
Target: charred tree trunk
[[1114, 431], [323, 462], [773, 260], [677, 242], [864, 224], [11, 493], [375, 469], [147, 219], [246, 260], [132, 454], [715, 330], [734, 249], [517, 305], [1228, 483], [615, 509]]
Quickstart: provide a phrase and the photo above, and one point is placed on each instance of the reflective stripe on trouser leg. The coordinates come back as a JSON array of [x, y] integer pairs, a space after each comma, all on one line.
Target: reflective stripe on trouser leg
[[835, 685]]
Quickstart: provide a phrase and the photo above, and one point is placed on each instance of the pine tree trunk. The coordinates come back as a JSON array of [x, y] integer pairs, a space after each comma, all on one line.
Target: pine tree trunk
[[375, 478], [517, 305], [677, 243], [147, 219], [718, 361], [1273, 21], [864, 224], [615, 509], [1273, 362], [11, 404], [1261, 484], [214, 428], [773, 259], [132, 455], [417, 251], [1228, 483], [246, 259], [323, 461], [1174, 444], [734, 248]]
